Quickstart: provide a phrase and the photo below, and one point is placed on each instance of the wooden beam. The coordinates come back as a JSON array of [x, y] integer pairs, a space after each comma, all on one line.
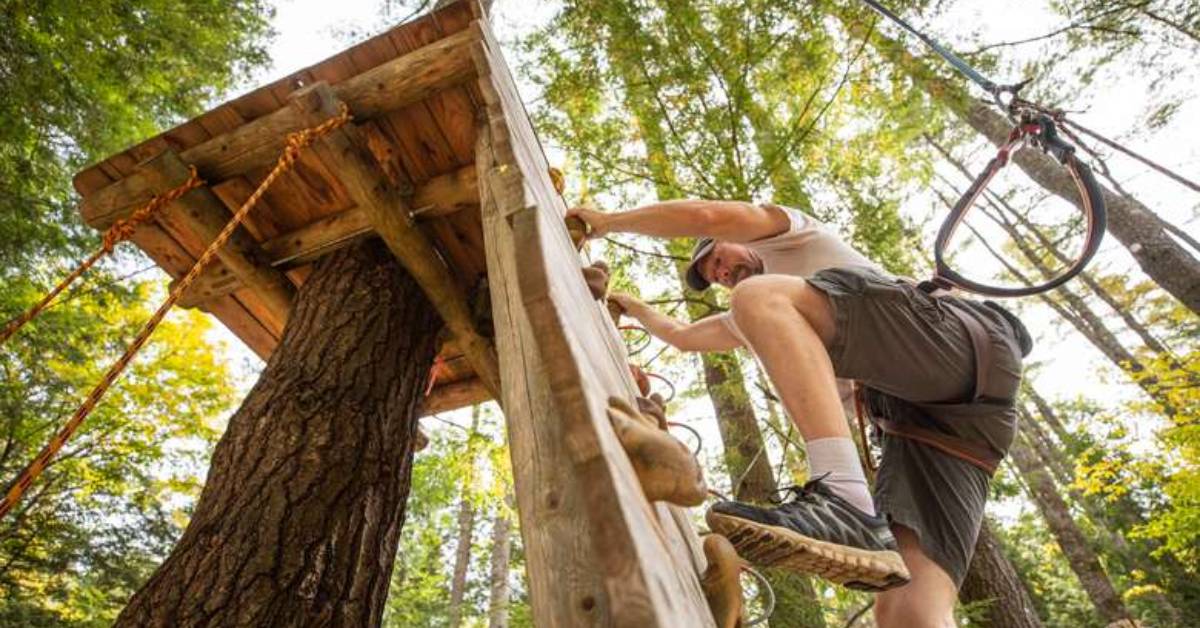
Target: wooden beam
[[563, 362], [346, 153], [455, 395], [408, 79], [440, 196], [205, 216]]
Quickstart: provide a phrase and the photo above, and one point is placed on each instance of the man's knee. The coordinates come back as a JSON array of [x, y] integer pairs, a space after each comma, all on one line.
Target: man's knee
[[760, 299]]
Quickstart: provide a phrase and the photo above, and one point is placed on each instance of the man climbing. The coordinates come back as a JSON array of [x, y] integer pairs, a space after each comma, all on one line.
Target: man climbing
[[941, 373]]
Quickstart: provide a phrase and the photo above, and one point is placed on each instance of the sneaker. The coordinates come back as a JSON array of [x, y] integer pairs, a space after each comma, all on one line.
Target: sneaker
[[815, 532]]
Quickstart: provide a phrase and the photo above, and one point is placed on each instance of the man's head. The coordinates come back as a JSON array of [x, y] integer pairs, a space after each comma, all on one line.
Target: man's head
[[726, 263]]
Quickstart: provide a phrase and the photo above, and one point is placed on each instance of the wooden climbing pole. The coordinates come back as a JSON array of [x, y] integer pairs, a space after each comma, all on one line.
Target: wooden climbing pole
[[598, 553], [442, 164]]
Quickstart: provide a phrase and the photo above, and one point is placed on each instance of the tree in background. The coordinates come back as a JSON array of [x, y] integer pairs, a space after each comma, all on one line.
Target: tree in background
[[109, 506], [83, 80], [427, 561]]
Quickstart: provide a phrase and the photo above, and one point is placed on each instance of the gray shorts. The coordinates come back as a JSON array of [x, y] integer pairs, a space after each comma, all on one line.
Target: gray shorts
[[917, 359]]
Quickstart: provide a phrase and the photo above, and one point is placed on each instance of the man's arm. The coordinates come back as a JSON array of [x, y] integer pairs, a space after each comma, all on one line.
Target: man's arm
[[731, 221], [709, 334]]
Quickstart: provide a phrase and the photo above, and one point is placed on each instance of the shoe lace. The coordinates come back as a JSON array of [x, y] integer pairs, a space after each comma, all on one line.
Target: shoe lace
[[797, 493]]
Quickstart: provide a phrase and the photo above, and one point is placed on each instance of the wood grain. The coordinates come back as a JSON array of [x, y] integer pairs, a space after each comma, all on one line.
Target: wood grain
[[647, 559], [347, 153]]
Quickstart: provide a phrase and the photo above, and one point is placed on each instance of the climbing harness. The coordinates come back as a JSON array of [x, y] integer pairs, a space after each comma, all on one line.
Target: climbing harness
[[1032, 126], [295, 143]]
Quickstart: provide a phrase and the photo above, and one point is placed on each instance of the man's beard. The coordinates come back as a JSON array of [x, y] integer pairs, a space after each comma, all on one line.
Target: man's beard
[[742, 271]]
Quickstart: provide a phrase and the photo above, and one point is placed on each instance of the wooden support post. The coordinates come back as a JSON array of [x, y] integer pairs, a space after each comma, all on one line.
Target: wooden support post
[[455, 395], [597, 553], [387, 208], [440, 196], [202, 213]]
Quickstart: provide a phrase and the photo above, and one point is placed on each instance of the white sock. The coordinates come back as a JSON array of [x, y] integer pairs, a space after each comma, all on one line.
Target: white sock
[[838, 457]]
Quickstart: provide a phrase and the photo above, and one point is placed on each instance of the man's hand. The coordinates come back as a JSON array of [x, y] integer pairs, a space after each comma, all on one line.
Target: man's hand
[[596, 221], [628, 302]]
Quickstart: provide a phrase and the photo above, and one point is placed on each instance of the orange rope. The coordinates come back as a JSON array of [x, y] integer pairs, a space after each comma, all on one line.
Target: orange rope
[[295, 143], [119, 232], [434, 370]]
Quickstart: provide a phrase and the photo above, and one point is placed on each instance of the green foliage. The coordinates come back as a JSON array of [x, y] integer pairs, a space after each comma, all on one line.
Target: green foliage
[[83, 80], [742, 100], [1059, 599], [107, 509], [460, 462]]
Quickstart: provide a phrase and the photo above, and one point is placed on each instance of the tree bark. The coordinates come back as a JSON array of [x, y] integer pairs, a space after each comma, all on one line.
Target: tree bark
[[993, 581], [1080, 556], [299, 519], [501, 549], [1134, 225], [462, 558]]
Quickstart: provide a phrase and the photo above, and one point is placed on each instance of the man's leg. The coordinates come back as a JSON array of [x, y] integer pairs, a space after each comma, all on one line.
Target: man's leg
[[927, 601], [789, 325], [830, 528]]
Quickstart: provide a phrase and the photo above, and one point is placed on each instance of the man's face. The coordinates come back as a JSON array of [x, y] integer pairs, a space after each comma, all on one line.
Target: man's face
[[729, 263]]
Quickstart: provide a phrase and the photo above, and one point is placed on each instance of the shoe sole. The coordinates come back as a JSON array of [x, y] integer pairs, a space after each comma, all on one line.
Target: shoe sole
[[774, 546]]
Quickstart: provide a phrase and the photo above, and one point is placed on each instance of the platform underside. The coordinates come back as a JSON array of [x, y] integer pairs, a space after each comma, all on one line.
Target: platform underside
[[421, 133], [441, 163]]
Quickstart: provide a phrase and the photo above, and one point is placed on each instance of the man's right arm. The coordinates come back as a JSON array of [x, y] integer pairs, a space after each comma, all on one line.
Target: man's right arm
[[731, 221], [709, 334]]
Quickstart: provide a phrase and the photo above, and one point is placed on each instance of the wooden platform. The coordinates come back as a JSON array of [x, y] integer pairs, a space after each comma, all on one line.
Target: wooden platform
[[415, 100], [442, 163]]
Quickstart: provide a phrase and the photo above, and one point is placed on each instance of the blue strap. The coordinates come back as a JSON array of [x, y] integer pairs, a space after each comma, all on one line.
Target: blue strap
[[953, 59]]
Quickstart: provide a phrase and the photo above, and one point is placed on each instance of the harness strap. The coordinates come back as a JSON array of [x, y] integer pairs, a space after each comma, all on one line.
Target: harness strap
[[981, 346], [977, 454]]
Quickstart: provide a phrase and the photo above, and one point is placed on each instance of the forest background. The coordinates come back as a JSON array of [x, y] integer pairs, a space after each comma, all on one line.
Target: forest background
[[817, 105]]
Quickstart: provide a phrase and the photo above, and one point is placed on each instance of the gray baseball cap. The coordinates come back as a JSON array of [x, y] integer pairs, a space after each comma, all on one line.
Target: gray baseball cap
[[695, 280]]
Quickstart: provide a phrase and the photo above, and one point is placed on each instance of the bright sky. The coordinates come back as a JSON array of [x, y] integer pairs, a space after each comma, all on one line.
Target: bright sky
[[307, 33]]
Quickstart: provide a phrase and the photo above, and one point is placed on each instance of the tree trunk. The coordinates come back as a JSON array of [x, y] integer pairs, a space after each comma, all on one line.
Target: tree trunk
[[466, 527], [1083, 561], [462, 557], [1134, 225], [501, 548], [993, 581], [300, 516], [1047, 413], [1049, 452]]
